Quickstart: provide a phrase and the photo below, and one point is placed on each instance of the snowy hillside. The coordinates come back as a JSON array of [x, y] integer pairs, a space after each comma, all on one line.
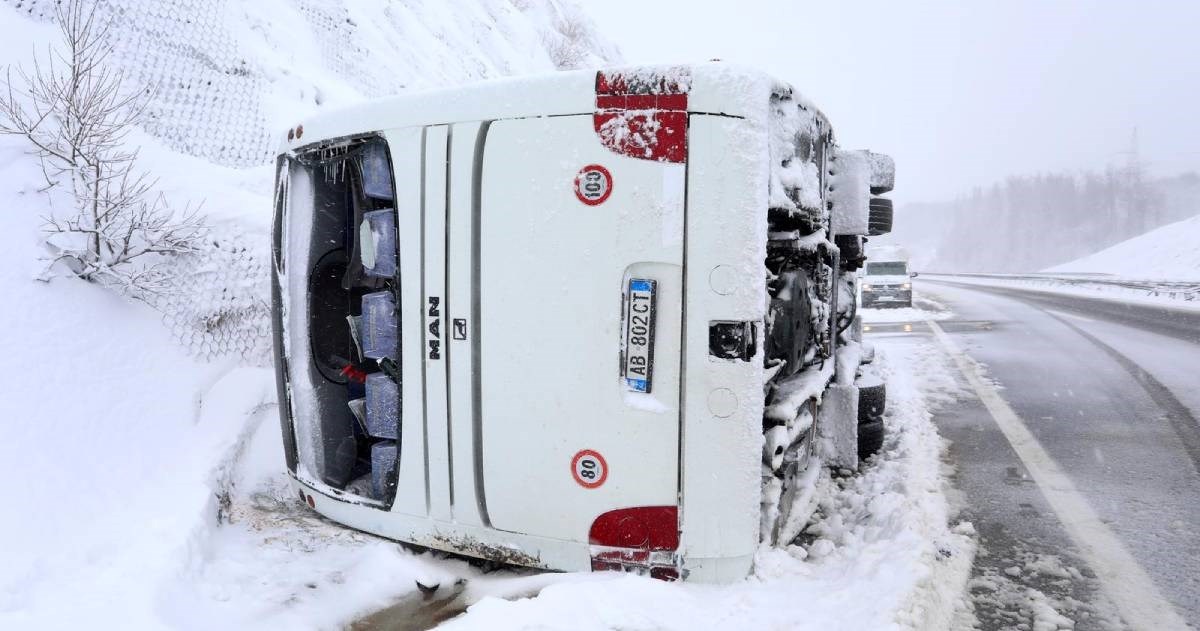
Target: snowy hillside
[[124, 449], [227, 75], [224, 78], [1171, 252], [1035, 221]]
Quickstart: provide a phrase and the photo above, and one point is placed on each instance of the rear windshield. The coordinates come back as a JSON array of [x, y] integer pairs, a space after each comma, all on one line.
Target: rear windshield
[[891, 268], [343, 339]]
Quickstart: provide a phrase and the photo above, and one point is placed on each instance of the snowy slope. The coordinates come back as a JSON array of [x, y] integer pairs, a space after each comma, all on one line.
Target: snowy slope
[[146, 488], [228, 74], [143, 485], [225, 77], [1171, 252], [97, 411]]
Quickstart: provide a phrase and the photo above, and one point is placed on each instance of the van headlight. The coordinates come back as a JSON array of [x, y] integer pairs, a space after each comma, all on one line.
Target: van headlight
[[905, 285]]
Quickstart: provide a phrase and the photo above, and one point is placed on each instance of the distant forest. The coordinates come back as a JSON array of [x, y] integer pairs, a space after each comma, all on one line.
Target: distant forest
[[1028, 223]]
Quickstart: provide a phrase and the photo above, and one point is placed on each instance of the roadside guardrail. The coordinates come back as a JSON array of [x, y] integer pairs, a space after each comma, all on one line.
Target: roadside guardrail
[[1176, 290]]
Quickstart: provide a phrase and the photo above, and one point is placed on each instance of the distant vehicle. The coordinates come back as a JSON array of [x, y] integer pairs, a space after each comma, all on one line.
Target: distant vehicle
[[548, 321], [886, 280]]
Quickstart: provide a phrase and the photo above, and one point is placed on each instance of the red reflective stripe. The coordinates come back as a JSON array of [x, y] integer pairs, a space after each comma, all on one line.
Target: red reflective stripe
[[641, 102], [642, 116], [606, 566], [672, 102], [610, 101], [642, 528]]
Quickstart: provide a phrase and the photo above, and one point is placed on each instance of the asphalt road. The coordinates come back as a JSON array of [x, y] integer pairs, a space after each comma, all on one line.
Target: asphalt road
[[1109, 397]]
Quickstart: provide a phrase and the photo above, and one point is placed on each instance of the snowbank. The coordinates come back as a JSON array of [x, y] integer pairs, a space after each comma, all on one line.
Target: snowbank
[[881, 554], [1171, 252], [110, 438]]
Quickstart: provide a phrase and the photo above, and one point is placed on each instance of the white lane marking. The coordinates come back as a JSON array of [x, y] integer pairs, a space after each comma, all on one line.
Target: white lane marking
[[1069, 315], [1120, 575]]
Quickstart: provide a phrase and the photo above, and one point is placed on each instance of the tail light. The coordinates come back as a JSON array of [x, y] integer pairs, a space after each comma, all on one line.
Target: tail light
[[643, 114], [642, 539]]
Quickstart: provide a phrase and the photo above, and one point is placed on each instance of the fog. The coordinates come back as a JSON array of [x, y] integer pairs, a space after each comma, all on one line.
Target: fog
[[961, 94]]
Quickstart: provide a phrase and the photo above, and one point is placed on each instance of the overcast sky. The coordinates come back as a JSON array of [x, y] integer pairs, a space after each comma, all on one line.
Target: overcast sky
[[960, 93]]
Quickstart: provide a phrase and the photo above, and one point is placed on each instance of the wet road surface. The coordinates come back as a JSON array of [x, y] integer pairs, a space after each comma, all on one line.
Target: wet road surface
[[1109, 398]]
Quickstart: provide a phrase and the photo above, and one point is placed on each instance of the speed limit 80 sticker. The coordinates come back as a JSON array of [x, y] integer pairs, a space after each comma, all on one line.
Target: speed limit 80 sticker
[[593, 184], [589, 469]]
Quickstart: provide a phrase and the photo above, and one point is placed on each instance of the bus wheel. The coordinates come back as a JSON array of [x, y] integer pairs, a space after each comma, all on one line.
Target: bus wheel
[[870, 438], [872, 400]]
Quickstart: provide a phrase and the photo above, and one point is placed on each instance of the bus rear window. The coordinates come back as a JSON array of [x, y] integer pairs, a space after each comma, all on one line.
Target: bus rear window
[[343, 346]]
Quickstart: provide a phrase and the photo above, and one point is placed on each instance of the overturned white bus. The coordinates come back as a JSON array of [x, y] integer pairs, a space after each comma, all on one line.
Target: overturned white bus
[[586, 321]]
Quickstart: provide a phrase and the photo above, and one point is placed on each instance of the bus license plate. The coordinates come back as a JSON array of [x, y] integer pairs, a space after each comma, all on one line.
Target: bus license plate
[[639, 334]]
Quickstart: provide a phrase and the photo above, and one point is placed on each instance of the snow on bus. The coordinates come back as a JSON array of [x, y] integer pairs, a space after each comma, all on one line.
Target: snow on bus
[[458, 372]]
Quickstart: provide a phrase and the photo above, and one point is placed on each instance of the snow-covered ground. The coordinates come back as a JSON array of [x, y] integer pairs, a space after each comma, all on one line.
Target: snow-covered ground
[[146, 488], [1184, 297], [924, 308], [881, 553], [153, 495], [1171, 252], [111, 436]]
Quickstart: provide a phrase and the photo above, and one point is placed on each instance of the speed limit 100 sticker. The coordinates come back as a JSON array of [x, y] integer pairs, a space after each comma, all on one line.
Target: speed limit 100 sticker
[[589, 469], [593, 184]]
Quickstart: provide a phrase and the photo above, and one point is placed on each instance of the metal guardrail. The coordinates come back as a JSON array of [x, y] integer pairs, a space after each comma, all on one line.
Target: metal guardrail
[[1177, 290]]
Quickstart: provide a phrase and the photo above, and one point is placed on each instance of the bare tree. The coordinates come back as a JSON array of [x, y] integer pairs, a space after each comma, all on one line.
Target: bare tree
[[76, 112]]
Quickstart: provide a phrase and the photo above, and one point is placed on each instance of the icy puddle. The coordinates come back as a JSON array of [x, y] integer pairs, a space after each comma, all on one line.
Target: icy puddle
[[423, 609]]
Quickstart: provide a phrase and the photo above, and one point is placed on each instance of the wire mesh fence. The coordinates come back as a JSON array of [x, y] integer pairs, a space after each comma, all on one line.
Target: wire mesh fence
[[217, 304]]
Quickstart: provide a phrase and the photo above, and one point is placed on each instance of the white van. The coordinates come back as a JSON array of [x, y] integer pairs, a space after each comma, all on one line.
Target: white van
[[576, 322], [887, 280]]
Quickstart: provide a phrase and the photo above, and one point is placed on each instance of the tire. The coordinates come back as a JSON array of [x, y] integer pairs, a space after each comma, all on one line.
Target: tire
[[872, 401], [787, 338], [870, 439], [850, 250], [879, 220]]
